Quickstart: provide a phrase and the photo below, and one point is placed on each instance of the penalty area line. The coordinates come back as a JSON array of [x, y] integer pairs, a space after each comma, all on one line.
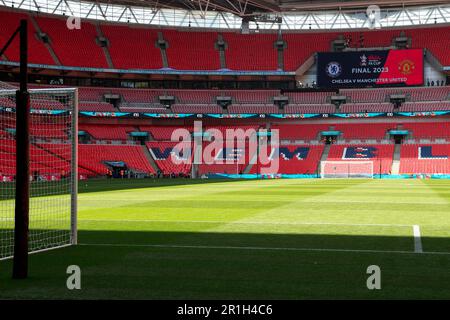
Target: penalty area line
[[417, 239], [176, 246], [249, 222]]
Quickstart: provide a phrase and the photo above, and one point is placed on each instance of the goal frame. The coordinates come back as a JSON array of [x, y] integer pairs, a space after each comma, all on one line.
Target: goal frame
[[370, 175], [23, 235]]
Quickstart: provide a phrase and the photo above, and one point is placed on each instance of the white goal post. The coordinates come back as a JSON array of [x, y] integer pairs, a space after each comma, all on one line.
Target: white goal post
[[53, 138], [346, 169]]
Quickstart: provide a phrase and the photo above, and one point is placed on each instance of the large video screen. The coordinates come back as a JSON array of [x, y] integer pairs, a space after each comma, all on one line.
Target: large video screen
[[370, 68]]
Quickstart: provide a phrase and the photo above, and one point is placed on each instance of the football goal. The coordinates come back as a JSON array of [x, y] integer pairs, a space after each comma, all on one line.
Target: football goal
[[49, 197], [346, 169]]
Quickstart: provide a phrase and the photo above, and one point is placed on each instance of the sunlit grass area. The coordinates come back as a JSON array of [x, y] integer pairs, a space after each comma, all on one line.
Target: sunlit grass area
[[266, 239]]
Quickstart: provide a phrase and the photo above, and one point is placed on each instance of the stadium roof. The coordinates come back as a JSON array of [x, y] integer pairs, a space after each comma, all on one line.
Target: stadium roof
[[251, 7]]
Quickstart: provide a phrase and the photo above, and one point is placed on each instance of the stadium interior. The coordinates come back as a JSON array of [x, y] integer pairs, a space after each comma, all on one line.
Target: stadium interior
[[131, 92], [263, 79]]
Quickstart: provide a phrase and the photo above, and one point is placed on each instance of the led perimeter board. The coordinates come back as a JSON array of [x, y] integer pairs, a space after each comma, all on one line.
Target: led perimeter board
[[370, 68]]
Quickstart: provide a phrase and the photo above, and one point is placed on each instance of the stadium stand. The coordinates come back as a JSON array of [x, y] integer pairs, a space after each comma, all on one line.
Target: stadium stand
[[295, 159], [133, 48], [107, 132], [241, 53], [39, 54], [94, 157], [425, 159], [63, 40], [162, 153], [381, 155], [198, 51]]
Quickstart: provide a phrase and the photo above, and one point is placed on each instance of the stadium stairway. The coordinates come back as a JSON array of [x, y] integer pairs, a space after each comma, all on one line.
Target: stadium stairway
[[395, 169], [324, 157], [100, 35], [47, 45], [252, 162], [150, 159]]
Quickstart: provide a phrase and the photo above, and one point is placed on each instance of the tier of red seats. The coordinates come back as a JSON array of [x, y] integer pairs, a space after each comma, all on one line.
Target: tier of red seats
[[293, 163], [215, 161], [310, 108], [428, 129], [168, 165], [382, 159], [366, 107], [38, 53], [196, 108], [363, 130], [41, 161], [73, 47], [299, 132], [410, 163], [382, 94], [107, 132], [253, 108], [185, 53], [249, 51], [93, 157], [96, 106], [249, 101], [162, 133], [425, 106], [135, 47]]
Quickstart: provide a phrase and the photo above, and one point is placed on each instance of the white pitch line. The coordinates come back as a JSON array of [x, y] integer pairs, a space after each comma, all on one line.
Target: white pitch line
[[41, 250], [253, 248], [251, 222], [417, 239]]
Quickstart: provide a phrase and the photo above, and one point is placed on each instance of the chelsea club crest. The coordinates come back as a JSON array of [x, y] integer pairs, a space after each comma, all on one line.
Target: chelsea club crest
[[334, 69]]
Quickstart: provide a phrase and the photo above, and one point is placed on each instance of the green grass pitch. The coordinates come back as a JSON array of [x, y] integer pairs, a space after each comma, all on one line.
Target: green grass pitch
[[267, 239]]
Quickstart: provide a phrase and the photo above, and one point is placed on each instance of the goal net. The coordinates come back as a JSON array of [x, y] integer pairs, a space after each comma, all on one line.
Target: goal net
[[53, 169], [346, 169]]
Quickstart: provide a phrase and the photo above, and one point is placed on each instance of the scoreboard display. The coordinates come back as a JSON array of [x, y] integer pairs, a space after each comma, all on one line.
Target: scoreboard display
[[370, 68]]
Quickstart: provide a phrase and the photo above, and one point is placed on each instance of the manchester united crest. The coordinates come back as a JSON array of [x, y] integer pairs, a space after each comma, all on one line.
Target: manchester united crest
[[406, 67]]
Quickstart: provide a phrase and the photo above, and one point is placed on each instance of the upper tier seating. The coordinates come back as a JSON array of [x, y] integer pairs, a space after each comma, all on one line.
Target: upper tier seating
[[250, 51], [9, 22], [195, 50], [75, 47], [133, 48], [187, 52]]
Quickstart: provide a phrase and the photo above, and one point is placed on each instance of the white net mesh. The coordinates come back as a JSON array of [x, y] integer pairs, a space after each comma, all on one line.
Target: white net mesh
[[53, 132], [346, 169]]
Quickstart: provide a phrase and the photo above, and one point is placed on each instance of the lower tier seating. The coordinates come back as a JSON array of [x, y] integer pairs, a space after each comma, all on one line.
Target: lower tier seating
[[94, 157], [380, 155], [169, 158], [425, 159]]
